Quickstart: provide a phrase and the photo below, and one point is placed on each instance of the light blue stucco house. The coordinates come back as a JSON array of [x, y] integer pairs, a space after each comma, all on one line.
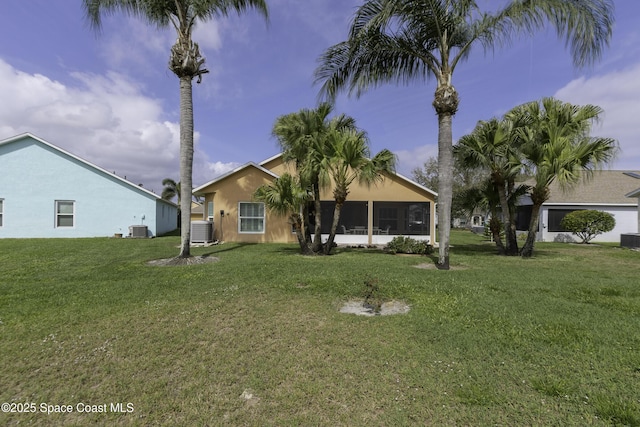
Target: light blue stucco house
[[46, 191]]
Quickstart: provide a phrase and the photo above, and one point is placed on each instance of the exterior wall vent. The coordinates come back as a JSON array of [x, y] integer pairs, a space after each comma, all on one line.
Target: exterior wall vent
[[201, 231], [138, 231]]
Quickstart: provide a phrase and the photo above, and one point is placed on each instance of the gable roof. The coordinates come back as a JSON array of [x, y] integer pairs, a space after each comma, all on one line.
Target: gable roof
[[394, 174], [233, 172], [96, 168], [608, 187]]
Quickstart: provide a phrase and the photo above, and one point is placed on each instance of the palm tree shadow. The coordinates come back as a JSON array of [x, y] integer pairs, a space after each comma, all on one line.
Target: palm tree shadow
[[470, 249], [226, 248]]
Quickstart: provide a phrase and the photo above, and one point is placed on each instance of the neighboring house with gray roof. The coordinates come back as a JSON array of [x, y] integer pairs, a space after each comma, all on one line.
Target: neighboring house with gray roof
[[636, 194], [609, 191]]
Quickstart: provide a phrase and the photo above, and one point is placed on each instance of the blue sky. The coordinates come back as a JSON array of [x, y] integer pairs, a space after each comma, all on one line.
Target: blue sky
[[110, 98]]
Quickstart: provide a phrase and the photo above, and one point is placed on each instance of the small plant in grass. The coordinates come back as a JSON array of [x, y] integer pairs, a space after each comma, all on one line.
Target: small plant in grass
[[372, 297], [587, 224], [407, 245]]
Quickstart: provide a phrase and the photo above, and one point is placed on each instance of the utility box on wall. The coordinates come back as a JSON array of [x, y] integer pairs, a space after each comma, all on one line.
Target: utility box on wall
[[201, 231]]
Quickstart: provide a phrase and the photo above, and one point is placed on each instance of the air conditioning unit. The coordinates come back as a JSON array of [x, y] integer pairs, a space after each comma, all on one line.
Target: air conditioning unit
[[138, 231], [201, 231]]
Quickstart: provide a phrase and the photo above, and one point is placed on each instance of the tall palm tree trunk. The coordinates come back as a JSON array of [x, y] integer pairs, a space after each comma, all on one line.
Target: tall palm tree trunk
[[527, 249], [511, 242], [306, 227], [539, 195], [495, 227], [317, 236], [297, 223], [445, 186], [334, 226], [513, 212], [186, 163]]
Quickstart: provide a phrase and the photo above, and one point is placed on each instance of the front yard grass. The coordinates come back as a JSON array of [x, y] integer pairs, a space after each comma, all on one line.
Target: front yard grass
[[257, 339]]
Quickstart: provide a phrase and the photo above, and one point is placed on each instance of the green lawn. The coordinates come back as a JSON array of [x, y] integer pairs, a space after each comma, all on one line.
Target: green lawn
[[257, 339]]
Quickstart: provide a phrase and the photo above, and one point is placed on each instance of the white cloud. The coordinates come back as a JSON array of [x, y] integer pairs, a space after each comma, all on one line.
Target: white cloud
[[207, 35], [408, 160], [618, 94], [105, 119], [206, 170]]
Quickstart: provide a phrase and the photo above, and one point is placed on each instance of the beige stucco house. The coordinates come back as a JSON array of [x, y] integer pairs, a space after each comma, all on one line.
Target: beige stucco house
[[371, 215]]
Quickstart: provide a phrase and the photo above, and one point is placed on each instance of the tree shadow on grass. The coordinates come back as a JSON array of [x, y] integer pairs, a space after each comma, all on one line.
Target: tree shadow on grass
[[295, 250], [227, 247], [473, 249]]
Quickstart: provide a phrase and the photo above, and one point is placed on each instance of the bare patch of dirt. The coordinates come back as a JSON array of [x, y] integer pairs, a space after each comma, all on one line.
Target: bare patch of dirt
[[432, 266], [359, 308], [193, 260], [250, 398]]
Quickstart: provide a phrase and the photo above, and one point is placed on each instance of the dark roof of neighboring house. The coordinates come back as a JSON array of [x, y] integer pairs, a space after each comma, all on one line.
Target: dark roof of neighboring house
[[609, 187]]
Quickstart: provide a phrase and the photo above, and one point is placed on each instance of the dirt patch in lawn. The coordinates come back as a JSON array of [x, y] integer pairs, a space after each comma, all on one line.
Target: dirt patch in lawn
[[193, 260], [432, 266], [359, 308]]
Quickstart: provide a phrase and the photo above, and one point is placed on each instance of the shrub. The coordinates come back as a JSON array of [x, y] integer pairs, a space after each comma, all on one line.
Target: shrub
[[587, 224], [407, 245]]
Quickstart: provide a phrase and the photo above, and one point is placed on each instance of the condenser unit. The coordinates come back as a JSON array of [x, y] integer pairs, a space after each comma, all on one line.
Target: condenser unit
[[138, 231], [201, 231]]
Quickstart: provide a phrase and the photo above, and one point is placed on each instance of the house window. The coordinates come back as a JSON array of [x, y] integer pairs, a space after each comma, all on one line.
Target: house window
[[209, 211], [65, 213], [555, 218], [1, 212], [251, 217]]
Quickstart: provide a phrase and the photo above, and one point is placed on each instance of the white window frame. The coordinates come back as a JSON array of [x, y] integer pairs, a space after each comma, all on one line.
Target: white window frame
[[1, 213], [58, 214], [240, 218], [210, 211]]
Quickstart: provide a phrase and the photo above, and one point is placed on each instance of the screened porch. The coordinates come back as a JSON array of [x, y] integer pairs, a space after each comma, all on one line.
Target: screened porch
[[360, 225]]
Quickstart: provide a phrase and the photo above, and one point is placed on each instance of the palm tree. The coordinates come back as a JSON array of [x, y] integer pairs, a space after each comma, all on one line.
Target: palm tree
[[345, 158], [491, 146], [485, 196], [405, 40], [302, 137], [286, 197], [185, 61], [558, 147], [170, 190]]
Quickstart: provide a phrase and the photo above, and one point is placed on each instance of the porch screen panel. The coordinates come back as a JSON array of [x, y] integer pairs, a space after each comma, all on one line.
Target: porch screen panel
[[402, 218], [352, 215]]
